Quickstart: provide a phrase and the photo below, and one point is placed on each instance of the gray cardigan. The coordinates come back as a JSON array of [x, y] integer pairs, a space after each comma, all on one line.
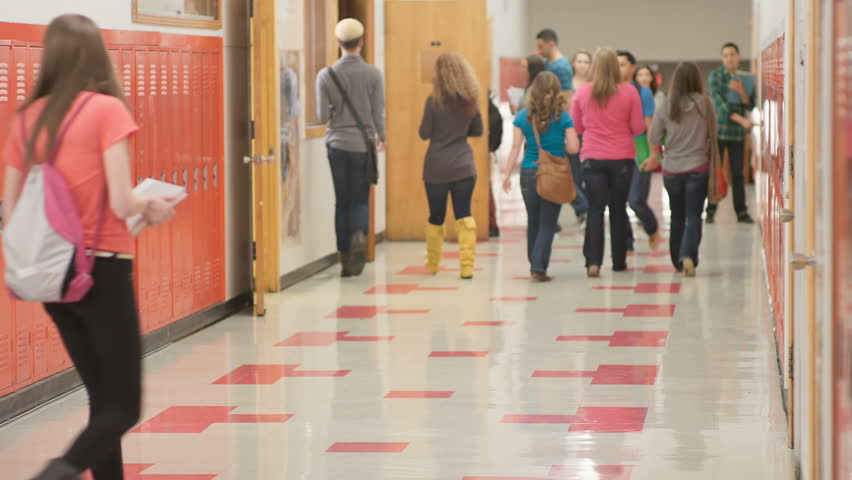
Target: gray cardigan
[[363, 82], [686, 141]]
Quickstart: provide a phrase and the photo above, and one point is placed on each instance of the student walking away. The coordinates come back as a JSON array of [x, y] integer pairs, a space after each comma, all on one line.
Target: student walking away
[[547, 43], [640, 185], [495, 139], [544, 124], [685, 122], [77, 124], [532, 65], [608, 114], [733, 103], [351, 99], [450, 117]]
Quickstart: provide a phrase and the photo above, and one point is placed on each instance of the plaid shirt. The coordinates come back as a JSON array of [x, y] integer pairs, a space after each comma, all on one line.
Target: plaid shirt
[[729, 130]]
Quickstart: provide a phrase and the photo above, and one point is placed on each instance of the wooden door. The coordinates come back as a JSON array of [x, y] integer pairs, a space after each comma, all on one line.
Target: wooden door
[[264, 115], [416, 32]]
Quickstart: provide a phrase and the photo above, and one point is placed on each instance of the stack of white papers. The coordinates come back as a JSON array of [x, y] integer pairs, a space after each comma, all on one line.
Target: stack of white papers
[[153, 188]]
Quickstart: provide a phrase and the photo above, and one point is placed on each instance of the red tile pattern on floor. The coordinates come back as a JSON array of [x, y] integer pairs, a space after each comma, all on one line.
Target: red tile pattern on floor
[[405, 289], [423, 271], [673, 288], [623, 339], [595, 472], [271, 374], [135, 471], [608, 374], [458, 354], [488, 324], [368, 447], [324, 339], [635, 311], [199, 419], [419, 394], [591, 419]]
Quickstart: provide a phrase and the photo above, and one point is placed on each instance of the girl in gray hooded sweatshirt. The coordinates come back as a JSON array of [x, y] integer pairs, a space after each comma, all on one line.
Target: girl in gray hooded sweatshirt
[[681, 124]]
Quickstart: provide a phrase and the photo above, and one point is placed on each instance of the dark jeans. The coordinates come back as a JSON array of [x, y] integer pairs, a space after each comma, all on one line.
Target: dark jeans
[[687, 194], [351, 194], [581, 203], [437, 193], [608, 184], [542, 217], [640, 187], [736, 154], [101, 334]]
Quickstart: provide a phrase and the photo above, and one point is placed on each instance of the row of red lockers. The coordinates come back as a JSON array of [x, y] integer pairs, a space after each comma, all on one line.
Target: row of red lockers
[[175, 85]]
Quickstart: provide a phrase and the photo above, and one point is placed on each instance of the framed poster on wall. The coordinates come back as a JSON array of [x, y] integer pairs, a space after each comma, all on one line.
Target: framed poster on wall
[[179, 13]]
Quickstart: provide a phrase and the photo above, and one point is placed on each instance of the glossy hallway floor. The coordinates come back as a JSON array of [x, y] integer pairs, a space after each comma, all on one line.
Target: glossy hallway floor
[[399, 375]]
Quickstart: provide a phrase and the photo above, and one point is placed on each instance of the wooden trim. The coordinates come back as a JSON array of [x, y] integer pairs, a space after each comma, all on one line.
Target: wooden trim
[[315, 131], [790, 328], [162, 20]]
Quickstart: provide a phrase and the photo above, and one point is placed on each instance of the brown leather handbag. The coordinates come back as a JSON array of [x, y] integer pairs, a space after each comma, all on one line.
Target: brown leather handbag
[[553, 181]]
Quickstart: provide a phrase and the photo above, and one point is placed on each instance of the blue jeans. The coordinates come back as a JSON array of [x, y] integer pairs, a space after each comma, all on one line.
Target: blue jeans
[[608, 183], [687, 194], [351, 194], [542, 217], [581, 203], [640, 186], [436, 195]]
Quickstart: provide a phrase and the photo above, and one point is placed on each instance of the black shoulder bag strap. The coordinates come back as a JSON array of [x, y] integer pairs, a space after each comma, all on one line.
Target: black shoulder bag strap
[[372, 161]]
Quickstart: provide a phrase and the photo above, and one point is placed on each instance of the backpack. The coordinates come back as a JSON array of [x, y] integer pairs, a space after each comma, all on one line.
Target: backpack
[[43, 245], [495, 126]]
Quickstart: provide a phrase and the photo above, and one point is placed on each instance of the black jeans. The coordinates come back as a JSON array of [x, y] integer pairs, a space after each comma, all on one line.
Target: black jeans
[[608, 184], [101, 334], [736, 154], [542, 218], [437, 194], [687, 194], [351, 194], [640, 187]]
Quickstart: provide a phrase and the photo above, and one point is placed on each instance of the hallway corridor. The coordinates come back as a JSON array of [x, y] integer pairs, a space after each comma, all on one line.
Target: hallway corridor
[[399, 375]]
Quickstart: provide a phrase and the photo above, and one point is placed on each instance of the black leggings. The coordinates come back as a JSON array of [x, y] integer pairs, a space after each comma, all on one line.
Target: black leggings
[[101, 334], [461, 191]]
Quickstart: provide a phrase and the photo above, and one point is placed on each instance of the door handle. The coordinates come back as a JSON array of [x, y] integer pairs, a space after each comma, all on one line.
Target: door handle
[[787, 216], [258, 159], [801, 262]]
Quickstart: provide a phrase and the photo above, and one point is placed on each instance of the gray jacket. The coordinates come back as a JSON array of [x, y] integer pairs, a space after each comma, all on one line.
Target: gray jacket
[[686, 141], [363, 82]]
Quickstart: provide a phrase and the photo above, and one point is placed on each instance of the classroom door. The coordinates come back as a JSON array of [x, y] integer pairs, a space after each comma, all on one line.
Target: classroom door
[[416, 33]]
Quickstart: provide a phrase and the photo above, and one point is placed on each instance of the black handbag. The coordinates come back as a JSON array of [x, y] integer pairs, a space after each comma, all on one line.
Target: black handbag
[[372, 167]]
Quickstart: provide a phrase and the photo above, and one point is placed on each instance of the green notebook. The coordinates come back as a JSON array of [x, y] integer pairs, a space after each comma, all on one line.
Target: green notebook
[[643, 150]]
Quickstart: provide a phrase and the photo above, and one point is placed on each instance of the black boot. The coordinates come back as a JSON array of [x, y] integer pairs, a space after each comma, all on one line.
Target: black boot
[[344, 264], [58, 469], [358, 254]]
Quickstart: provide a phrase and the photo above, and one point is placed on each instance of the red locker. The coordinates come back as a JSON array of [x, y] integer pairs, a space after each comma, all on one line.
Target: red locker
[[7, 319], [164, 162], [219, 274], [182, 232], [199, 212]]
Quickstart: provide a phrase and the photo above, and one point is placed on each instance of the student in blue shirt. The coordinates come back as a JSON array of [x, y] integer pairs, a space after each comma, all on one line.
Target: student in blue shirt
[[546, 108], [547, 43], [641, 183]]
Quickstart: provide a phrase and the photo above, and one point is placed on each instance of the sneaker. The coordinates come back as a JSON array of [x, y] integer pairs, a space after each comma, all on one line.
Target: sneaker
[[493, 232], [558, 228], [593, 271], [654, 241], [581, 219], [344, 265], [745, 218], [541, 277], [630, 252], [358, 255], [711, 218], [688, 267]]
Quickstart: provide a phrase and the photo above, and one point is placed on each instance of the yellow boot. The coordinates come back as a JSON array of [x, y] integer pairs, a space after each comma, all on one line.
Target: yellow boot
[[434, 243], [466, 230]]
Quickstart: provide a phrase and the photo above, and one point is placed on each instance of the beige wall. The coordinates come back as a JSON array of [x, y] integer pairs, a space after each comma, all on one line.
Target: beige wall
[[655, 30]]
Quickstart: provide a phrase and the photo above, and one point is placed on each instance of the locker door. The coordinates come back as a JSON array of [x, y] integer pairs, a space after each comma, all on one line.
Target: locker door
[[217, 186], [182, 224], [209, 147], [23, 326], [165, 135], [144, 169], [7, 320], [199, 213]]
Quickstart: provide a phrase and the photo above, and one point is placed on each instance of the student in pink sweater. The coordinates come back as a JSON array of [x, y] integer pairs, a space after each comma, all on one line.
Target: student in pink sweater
[[608, 115]]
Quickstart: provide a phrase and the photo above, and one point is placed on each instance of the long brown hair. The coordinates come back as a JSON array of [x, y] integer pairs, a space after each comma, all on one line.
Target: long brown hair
[[535, 65], [605, 76], [455, 83], [686, 81], [545, 101], [654, 86], [75, 60]]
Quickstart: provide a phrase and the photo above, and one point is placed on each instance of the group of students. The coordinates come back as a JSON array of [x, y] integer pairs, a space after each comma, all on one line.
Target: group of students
[[617, 126]]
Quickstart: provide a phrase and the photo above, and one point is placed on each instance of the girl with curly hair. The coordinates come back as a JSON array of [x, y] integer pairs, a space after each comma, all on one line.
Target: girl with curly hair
[[546, 115], [450, 117]]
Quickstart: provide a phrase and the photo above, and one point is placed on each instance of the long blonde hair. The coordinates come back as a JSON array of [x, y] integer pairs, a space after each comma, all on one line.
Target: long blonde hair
[[545, 101], [605, 76], [455, 83]]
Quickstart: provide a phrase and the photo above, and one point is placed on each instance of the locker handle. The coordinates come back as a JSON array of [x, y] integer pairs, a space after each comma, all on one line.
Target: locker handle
[[185, 179], [215, 175], [801, 262], [204, 176], [195, 178], [787, 216], [175, 177]]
